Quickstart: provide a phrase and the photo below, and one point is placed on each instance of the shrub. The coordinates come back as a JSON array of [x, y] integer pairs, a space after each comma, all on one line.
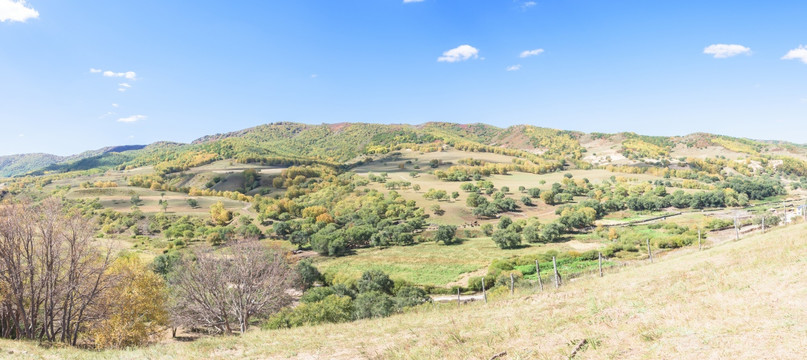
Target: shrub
[[308, 273], [446, 234], [316, 294], [372, 304], [375, 281], [475, 283], [526, 269], [506, 238], [409, 296], [331, 309]]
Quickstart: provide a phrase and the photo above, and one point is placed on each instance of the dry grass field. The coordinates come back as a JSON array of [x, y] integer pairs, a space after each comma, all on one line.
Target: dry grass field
[[739, 300]]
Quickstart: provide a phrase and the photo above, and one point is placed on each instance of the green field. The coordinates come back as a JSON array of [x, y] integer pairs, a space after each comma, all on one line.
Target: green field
[[433, 264]]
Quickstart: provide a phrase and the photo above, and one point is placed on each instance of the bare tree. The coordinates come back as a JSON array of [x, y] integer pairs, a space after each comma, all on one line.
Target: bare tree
[[199, 289], [50, 274], [259, 280], [244, 280]]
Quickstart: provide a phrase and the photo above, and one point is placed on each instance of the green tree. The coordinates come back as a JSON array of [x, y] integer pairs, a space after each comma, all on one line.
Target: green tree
[[373, 304], [552, 232], [375, 280], [505, 222], [532, 233], [446, 234], [506, 238], [308, 273]]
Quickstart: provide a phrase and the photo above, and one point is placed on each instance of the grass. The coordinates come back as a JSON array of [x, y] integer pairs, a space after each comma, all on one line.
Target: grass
[[740, 300], [429, 263]]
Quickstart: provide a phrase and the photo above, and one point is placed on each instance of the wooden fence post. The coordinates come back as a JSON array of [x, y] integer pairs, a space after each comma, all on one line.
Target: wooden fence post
[[484, 292], [763, 224], [600, 264], [649, 252], [458, 296], [511, 284], [557, 275], [736, 227], [538, 273], [700, 246]]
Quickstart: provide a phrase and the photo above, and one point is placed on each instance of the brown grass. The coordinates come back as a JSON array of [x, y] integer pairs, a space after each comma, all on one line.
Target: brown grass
[[741, 300]]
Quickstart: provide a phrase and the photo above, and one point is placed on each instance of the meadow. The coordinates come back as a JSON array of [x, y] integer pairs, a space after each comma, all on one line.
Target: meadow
[[738, 300]]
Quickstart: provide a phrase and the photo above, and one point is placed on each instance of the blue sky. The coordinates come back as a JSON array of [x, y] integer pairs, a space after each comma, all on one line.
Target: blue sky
[[193, 68]]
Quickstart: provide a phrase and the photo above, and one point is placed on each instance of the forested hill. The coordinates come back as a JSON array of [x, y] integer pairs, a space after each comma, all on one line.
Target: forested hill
[[13, 165], [349, 143]]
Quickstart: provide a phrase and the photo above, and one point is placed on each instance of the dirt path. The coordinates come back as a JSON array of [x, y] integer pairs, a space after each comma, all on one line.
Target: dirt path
[[463, 298], [464, 278]]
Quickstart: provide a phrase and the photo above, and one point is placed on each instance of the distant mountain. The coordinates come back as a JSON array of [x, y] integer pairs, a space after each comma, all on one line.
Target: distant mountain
[[343, 144], [14, 165]]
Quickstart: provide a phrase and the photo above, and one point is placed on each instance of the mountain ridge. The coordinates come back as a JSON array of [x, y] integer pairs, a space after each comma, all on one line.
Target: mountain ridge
[[342, 143]]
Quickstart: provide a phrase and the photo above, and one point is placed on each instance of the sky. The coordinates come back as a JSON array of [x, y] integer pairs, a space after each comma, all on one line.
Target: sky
[[80, 75]]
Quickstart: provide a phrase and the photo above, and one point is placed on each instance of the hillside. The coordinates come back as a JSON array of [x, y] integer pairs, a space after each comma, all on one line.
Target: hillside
[[428, 211], [14, 165], [739, 300], [347, 144]]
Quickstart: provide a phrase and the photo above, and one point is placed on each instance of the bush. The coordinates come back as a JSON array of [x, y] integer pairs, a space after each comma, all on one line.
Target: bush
[[316, 294], [504, 278], [526, 269], [308, 273], [506, 238], [446, 234], [331, 309], [372, 304], [475, 283], [375, 281], [409, 296]]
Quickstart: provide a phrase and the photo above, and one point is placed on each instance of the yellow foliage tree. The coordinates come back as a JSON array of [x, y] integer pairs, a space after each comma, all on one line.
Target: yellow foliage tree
[[220, 215], [314, 211], [134, 306], [325, 218]]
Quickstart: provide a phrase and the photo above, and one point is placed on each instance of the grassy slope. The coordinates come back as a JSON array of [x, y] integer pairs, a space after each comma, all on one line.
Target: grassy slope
[[430, 263], [739, 300]]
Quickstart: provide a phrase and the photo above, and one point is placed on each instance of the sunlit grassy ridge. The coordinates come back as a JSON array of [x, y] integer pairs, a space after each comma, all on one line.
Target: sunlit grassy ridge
[[740, 300], [339, 144]]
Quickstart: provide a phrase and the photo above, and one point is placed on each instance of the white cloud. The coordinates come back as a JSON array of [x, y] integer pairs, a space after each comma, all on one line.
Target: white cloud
[[412, 1], [114, 105], [799, 53], [722, 51], [314, 76], [21, 135], [459, 53], [128, 75], [132, 118], [514, 67], [11, 10], [95, 71], [124, 85], [528, 4], [528, 53]]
